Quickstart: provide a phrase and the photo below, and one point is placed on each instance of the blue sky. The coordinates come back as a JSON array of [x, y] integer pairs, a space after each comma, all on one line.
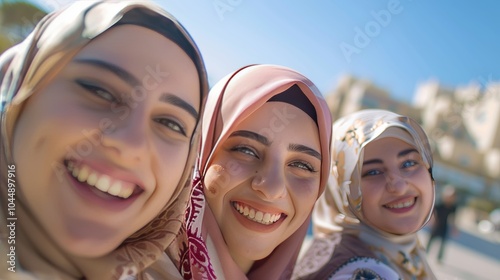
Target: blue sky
[[395, 44]]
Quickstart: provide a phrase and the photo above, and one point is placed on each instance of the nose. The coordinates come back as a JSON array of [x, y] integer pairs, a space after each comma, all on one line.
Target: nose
[[127, 137], [270, 183], [395, 181]]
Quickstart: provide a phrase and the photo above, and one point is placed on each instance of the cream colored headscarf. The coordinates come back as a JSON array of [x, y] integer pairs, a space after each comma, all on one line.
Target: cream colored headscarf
[[231, 101], [338, 210], [29, 67]]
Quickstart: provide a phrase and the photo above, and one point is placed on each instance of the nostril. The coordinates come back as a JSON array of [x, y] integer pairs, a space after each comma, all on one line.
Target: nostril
[[257, 180]]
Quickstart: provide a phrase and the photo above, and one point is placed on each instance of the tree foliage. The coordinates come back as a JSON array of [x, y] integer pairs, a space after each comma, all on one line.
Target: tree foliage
[[17, 20]]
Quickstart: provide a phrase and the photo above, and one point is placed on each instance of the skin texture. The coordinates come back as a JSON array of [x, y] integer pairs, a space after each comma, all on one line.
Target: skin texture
[[271, 177], [123, 126], [393, 173]]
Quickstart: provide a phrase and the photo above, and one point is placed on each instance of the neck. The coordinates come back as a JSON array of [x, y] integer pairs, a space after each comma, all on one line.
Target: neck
[[37, 254], [243, 263]]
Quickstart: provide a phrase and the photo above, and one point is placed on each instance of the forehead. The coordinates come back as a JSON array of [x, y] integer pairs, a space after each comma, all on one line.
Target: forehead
[[147, 55], [387, 146], [130, 41], [279, 120]]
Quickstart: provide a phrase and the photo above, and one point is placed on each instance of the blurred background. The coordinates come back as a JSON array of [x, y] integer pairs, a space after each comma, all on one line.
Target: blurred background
[[438, 63]]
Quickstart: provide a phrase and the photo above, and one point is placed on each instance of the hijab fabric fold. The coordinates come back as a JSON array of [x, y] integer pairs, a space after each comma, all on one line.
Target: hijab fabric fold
[[29, 66], [338, 224], [204, 254]]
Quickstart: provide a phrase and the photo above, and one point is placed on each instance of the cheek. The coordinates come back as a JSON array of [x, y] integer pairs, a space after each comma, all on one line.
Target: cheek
[[369, 189], [171, 160], [426, 188], [304, 193], [368, 208], [217, 181], [371, 194]]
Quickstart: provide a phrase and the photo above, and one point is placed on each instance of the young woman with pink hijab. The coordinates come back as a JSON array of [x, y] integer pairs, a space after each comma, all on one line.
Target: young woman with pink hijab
[[264, 160]]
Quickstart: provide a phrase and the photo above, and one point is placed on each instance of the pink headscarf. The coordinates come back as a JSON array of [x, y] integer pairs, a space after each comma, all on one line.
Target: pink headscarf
[[231, 101]]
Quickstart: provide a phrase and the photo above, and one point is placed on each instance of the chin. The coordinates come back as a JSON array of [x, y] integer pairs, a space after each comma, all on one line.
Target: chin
[[403, 231], [90, 248]]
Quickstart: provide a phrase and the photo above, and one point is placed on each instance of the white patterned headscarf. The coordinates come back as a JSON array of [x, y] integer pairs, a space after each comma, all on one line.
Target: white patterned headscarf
[[339, 208]]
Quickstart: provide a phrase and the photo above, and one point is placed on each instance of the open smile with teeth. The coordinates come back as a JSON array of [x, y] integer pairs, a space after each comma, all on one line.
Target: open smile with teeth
[[102, 182], [403, 204], [256, 215]]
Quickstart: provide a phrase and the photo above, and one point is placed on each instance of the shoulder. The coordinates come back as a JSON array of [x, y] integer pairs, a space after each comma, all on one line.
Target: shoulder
[[364, 268]]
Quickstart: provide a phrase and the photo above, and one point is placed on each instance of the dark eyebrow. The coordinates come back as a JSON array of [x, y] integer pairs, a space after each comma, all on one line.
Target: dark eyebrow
[[304, 149], [177, 101], [133, 81], [373, 161], [117, 70], [400, 154], [406, 152], [252, 135]]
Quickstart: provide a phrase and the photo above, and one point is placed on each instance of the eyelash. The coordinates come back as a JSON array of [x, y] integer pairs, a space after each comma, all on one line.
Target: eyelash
[[249, 151], [304, 165], [169, 123], [106, 95], [97, 91], [245, 150], [372, 171]]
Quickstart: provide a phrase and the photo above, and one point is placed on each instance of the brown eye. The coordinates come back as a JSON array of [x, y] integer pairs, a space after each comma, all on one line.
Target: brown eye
[[97, 91], [245, 150], [172, 125], [303, 165]]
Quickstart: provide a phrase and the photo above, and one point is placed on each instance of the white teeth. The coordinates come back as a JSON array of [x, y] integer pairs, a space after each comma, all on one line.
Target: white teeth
[[257, 216], [267, 218], [84, 174], [75, 172], [70, 166], [100, 181], [92, 179], [103, 184], [403, 204], [251, 214]]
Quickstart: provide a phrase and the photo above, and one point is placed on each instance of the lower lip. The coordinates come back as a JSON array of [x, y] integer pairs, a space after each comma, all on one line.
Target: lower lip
[[254, 226], [402, 210], [105, 201]]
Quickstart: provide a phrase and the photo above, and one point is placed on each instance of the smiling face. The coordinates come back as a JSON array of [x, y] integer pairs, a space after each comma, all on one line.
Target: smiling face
[[101, 149], [264, 180], [396, 185]]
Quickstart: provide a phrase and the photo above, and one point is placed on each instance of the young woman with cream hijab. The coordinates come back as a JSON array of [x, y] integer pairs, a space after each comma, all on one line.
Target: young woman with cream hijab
[[100, 109], [380, 193], [263, 163]]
